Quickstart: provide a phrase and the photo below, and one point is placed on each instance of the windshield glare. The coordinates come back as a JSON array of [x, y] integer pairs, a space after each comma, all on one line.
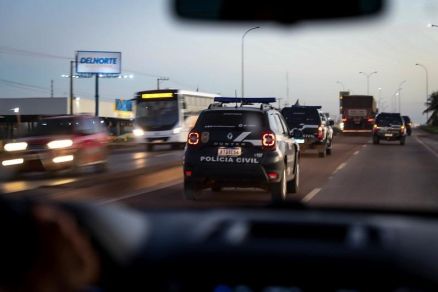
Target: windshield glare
[[153, 114]]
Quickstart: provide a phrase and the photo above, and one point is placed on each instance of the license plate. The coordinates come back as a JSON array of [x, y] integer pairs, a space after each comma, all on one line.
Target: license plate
[[388, 135], [235, 151]]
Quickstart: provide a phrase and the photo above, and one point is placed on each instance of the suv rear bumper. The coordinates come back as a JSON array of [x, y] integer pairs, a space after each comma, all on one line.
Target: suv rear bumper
[[234, 174]]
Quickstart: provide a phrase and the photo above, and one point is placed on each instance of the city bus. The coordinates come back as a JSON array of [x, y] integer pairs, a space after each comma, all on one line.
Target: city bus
[[165, 117]]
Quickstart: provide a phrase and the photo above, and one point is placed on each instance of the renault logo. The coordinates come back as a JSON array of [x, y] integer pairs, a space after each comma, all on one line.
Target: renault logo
[[230, 136]]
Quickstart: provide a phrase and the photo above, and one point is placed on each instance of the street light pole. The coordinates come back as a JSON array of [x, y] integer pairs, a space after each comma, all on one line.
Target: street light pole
[[243, 59], [342, 84], [427, 86], [368, 75], [399, 95]]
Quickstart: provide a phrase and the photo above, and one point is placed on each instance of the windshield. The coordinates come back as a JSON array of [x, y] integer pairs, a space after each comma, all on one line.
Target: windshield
[[388, 120], [242, 121], [157, 115], [93, 58], [296, 118], [53, 127]]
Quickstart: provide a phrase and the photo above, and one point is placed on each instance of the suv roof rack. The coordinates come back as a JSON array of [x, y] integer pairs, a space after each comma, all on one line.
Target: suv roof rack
[[245, 100], [308, 106]]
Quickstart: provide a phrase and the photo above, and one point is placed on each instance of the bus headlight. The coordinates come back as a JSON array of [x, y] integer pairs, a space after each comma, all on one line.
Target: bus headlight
[[177, 130], [138, 132]]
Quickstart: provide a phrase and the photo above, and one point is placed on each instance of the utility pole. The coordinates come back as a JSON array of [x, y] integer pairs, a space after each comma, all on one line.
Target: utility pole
[[287, 86], [51, 88], [161, 79], [243, 59]]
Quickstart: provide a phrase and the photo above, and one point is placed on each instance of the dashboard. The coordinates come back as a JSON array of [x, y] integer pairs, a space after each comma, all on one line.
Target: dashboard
[[263, 249]]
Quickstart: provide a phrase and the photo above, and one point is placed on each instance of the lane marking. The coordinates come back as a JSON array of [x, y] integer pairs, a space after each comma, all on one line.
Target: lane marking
[[341, 166], [142, 192], [427, 147], [311, 194], [355, 153]]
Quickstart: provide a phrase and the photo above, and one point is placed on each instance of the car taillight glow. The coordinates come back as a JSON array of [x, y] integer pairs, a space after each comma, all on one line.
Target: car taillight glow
[[268, 140], [320, 133], [344, 119], [402, 129], [273, 175], [188, 173], [193, 138], [370, 120]]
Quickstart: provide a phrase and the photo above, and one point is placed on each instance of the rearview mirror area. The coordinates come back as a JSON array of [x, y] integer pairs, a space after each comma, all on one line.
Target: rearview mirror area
[[281, 11]]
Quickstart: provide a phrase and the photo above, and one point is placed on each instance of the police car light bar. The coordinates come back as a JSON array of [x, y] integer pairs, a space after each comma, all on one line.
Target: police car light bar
[[245, 100]]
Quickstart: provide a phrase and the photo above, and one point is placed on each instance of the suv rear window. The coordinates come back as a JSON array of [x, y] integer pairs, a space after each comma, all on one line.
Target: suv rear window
[[244, 120], [388, 119], [296, 116]]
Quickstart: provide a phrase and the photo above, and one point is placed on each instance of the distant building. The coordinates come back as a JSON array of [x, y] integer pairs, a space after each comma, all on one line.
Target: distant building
[[28, 110]]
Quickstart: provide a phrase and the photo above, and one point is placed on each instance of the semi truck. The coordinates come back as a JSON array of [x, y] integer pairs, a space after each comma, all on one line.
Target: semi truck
[[358, 113]]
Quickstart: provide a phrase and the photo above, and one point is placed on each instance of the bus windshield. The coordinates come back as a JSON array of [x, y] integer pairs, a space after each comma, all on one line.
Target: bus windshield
[[157, 115]]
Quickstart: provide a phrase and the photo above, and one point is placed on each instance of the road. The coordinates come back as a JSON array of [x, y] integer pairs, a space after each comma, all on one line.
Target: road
[[358, 174]]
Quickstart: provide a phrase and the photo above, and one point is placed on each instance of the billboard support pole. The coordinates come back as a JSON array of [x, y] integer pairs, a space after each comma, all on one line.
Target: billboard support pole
[[97, 96], [71, 87]]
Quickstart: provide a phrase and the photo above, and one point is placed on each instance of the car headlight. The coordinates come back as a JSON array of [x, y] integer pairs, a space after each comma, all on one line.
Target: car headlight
[[57, 144], [177, 130], [18, 146], [138, 132]]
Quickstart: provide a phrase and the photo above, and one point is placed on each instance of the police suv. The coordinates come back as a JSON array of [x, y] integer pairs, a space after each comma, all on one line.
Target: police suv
[[241, 142]]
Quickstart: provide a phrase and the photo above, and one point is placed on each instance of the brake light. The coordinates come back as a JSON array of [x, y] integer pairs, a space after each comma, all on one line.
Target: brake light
[[370, 120], [193, 138], [188, 173], [344, 120], [320, 133], [272, 175], [268, 140]]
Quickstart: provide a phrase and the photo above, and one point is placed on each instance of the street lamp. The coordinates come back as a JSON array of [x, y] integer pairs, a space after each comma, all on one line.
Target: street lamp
[[427, 86], [368, 75], [342, 84], [243, 58]]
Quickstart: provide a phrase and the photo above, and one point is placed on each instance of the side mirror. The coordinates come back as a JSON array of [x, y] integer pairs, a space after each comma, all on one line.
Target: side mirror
[[331, 123]]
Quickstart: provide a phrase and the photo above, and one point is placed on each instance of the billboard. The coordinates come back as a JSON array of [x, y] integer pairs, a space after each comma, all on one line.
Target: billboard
[[99, 62], [123, 105]]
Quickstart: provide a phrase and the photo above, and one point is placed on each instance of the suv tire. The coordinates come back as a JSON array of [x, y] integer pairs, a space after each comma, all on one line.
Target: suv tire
[[293, 185], [375, 140], [403, 141], [279, 190], [191, 190]]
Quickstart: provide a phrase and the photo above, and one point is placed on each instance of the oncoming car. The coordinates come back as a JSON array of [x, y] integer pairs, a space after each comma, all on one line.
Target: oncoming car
[[59, 143], [241, 146]]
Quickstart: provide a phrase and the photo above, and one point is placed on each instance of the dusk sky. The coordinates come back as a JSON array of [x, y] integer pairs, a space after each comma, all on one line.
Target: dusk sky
[[37, 38]]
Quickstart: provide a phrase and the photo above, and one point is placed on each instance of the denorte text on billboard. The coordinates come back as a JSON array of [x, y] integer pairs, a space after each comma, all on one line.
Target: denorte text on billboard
[[98, 62]]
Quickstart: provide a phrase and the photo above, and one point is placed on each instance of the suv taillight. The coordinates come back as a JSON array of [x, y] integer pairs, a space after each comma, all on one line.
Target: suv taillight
[[193, 138], [320, 133], [268, 140]]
